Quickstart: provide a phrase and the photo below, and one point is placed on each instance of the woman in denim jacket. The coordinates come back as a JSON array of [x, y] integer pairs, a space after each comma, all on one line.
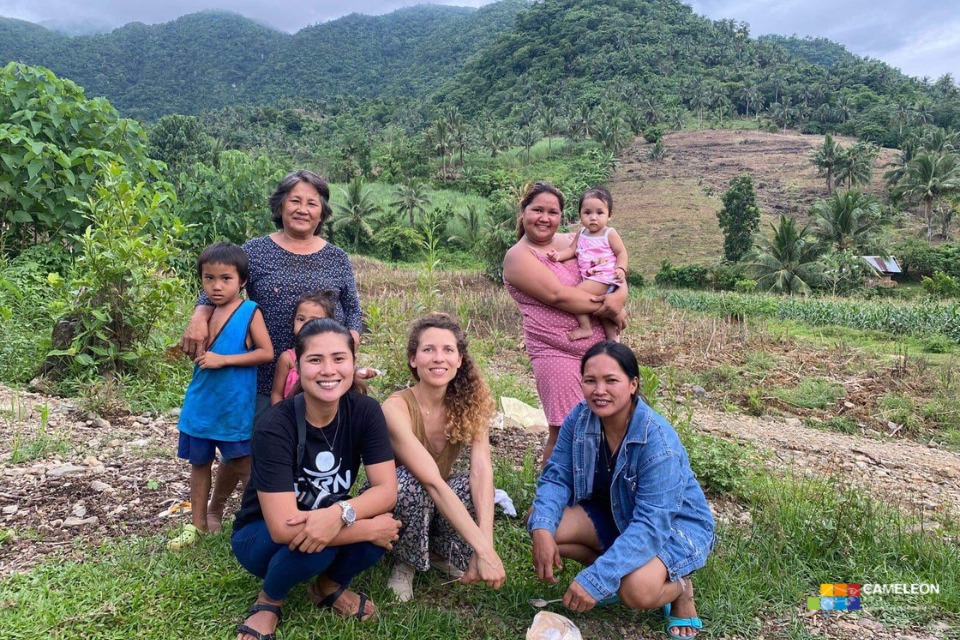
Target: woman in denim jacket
[[618, 496]]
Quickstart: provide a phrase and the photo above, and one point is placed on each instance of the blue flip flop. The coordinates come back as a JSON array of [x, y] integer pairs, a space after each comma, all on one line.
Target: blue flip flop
[[670, 621]]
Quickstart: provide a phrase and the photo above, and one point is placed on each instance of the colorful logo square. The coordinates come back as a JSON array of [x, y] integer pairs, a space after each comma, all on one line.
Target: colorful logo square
[[826, 603], [853, 604], [839, 604], [826, 589], [840, 590], [813, 604], [853, 590]]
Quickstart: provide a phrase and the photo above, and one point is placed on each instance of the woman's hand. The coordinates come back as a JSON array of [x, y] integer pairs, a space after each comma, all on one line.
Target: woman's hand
[[195, 336], [577, 599], [488, 570], [546, 555], [210, 360], [320, 527], [385, 530]]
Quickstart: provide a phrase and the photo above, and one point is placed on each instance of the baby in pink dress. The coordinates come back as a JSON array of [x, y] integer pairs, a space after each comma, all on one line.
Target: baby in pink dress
[[600, 254]]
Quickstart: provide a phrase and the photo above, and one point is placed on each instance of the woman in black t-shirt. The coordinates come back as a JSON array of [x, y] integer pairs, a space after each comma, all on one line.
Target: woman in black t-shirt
[[297, 521]]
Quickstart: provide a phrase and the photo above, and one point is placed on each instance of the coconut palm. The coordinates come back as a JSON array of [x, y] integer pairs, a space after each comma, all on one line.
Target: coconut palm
[[789, 262], [828, 159], [411, 198], [857, 165], [354, 214], [847, 220], [549, 125], [528, 136], [929, 177]]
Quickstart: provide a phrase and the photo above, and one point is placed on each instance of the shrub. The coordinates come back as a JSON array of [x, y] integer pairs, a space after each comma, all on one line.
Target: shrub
[[653, 134], [941, 285], [120, 286], [691, 276], [635, 279]]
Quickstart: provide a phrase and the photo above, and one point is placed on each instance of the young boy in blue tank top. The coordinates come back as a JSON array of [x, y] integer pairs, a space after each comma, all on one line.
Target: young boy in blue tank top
[[218, 407]]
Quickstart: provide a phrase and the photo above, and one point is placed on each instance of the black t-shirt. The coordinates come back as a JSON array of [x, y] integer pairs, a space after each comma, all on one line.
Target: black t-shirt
[[331, 458]]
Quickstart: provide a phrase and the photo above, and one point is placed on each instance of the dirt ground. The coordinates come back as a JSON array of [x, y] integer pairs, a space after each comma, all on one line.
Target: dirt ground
[[667, 210], [120, 474]]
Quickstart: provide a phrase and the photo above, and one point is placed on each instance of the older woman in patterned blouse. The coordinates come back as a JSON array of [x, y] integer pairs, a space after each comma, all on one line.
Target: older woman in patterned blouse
[[283, 266]]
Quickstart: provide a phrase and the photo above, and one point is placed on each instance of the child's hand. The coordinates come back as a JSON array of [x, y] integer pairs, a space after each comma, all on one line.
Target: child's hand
[[210, 360], [619, 274], [553, 255]]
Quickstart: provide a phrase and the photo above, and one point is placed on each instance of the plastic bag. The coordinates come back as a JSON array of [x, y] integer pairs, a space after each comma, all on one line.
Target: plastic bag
[[552, 626]]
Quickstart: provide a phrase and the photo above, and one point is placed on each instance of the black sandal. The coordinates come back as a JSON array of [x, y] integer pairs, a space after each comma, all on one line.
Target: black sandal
[[257, 608], [328, 601]]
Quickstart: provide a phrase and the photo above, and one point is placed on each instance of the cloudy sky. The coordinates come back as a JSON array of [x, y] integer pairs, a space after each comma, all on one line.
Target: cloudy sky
[[921, 37]]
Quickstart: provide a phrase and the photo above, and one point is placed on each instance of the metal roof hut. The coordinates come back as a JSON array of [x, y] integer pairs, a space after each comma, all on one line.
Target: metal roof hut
[[885, 267]]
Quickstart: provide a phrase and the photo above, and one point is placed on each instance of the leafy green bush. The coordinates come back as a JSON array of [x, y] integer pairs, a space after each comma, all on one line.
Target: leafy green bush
[[941, 285], [811, 393], [55, 144], [653, 134], [635, 279], [120, 286], [690, 276]]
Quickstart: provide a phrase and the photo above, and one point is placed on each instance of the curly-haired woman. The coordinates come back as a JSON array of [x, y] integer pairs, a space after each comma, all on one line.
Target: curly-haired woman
[[447, 517]]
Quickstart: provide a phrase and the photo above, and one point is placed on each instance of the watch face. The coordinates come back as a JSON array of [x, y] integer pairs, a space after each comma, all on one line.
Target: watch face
[[349, 515]]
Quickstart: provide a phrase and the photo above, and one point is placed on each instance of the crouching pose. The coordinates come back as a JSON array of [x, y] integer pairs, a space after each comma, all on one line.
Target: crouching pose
[[447, 517], [618, 496], [297, 521]]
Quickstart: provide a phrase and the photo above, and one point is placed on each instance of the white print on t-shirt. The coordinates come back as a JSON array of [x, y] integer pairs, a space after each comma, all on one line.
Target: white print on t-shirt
[[314, 490]]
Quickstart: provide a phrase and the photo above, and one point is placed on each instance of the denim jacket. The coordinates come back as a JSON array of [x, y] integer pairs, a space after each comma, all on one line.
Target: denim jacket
[[652, 484]]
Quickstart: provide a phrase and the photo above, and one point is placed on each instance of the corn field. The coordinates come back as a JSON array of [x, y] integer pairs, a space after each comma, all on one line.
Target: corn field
[[917, 319]]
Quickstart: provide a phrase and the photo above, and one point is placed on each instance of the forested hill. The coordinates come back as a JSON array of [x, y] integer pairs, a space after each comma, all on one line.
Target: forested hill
[[212, 59], [637, 52], [509, 61]]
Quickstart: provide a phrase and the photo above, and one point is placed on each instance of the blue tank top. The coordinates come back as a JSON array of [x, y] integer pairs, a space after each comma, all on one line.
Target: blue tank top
[[219, 403]]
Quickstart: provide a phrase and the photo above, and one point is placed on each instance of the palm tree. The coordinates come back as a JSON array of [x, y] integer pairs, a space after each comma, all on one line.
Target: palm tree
[[583, 120], [549, 125], [847, 220], [472, 222], [411, 198], [528, 136], [857, 166], [929, 177], [749, 94], [357, 208], [788, 263], [828, 159]]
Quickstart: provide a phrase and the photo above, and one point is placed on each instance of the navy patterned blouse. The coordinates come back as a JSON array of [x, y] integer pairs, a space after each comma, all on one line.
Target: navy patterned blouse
[[277, 280]]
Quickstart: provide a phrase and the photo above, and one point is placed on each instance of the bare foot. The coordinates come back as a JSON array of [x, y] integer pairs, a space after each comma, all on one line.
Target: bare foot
[[214, 519], [579, 334], [684, 607], [347, 604], [263, 622]]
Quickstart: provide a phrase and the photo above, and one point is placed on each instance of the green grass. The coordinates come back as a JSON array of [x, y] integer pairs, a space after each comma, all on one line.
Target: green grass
[[811, 393], [801, 533]]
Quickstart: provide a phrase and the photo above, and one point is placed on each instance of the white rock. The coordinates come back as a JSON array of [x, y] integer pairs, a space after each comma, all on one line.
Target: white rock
[[79, 511], [793, 422], [101, 423], [10, 510], [143, 419], [79, 522], [66, 470]]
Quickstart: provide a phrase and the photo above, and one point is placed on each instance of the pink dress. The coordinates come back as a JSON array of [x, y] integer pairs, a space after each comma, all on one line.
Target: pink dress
[[595, 252], [293, 377], [554, 358]]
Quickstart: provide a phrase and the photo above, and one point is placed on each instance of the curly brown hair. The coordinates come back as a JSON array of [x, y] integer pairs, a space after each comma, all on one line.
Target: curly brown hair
[[468, 402]]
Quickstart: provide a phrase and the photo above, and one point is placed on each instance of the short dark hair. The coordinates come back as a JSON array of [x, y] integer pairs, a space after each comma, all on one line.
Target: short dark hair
[[326, 299], [532, 192], [225, 253], [286, 185], [599, 193], [619, 352]]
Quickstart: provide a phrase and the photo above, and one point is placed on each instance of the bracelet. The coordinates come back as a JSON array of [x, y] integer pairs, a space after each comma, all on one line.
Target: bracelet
[[621, 268]]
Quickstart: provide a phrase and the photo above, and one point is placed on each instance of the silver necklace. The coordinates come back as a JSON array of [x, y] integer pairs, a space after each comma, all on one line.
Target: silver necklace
[[336, 432]]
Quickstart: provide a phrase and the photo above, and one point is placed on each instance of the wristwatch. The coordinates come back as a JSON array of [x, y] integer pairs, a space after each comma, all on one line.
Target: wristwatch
[[349, 515]]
